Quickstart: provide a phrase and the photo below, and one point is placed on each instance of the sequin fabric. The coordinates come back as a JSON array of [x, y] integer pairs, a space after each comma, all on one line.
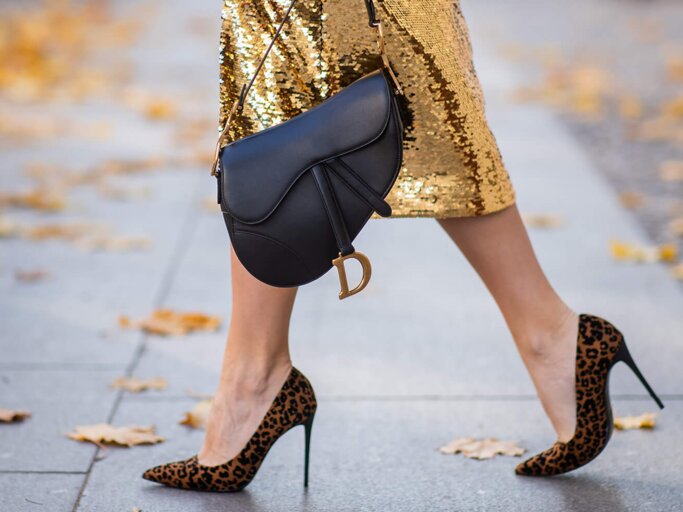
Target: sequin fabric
[[452, 166]]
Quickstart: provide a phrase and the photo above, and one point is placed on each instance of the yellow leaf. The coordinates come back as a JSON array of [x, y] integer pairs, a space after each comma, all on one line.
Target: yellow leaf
[[644, 421], [11, 416], [482, 449], [135, 385], [44, 200], [159, 109], [544, 221], [643, 254], [198, 416], [104, 433]]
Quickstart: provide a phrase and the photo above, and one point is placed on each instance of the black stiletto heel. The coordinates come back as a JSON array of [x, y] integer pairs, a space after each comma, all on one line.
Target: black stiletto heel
[[308, 426], [624, 356]]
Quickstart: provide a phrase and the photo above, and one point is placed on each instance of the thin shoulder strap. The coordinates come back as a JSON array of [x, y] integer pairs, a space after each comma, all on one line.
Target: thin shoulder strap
[[373, 21]]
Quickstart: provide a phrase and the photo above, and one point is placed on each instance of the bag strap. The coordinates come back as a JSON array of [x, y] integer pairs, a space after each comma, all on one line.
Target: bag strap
[[237, 106]]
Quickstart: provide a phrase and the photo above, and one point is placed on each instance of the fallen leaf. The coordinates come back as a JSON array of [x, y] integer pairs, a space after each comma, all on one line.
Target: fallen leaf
[[103, 433], [671, 170], [43, 200], [643, 254], [482, 449], [676, 227], [630, 107], [11, 416], [115, 244], [135, 385], [544, 221], [631, 200], [8, 228], [199, 415], [30, 276], [166, 322], [644, 421], [159, 109], [677, 271]]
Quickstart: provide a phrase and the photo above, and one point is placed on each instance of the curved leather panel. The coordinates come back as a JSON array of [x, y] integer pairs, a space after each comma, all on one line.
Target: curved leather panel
[[258, 171]]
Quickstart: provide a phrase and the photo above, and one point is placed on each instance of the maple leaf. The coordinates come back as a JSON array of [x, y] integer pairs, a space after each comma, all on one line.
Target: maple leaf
[[199, 415], [103, 433], [165, 322], [11, 416], [482, 449], [644, 421], [135, 385]]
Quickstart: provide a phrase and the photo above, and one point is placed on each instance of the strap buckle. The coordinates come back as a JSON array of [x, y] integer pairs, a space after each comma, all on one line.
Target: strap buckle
[[367, 273]]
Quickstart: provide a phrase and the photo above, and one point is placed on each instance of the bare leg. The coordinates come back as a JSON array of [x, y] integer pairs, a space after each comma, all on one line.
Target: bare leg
[[256, 363], [544, 328]]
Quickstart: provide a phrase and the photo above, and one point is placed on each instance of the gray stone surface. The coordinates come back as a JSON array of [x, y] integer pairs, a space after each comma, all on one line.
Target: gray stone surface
[[421, 357], [31, 492], [382, 455]]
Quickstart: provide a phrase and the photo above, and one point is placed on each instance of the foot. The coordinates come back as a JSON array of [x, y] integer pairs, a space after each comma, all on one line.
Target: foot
[[550, 357], [242, 400]]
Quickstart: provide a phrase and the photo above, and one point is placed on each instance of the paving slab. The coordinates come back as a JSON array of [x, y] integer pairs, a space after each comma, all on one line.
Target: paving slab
[[32, 492], [58, 401], [370, 455]]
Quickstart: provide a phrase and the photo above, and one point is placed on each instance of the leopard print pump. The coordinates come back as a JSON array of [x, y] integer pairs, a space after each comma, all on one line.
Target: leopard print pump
[[600, 346], [294, 405]]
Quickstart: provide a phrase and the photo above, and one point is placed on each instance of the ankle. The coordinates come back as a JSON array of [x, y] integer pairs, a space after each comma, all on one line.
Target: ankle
[[244, 378], [541, 340]]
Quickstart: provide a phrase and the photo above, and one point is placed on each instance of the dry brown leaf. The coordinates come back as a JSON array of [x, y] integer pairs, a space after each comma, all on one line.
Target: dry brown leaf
[[11, 416], [199, 415], [644, 421], [643, 254], [44, 200], [135, 385], [166, 322], [671, 170], [31, 276], [545, 221], [103, 433], [482, 449], [631, 200]]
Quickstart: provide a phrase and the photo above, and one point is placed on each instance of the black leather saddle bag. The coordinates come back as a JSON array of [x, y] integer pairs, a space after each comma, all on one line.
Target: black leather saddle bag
[[295, 196]]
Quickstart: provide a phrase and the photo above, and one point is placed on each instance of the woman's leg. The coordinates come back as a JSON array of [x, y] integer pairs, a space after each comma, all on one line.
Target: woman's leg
[[544, 328], [256, 363]]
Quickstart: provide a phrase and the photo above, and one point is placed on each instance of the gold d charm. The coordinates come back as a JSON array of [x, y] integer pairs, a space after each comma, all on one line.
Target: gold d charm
[[367, 273]]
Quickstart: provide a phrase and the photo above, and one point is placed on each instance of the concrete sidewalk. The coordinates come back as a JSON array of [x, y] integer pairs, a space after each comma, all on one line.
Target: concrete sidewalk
[[420, 358]]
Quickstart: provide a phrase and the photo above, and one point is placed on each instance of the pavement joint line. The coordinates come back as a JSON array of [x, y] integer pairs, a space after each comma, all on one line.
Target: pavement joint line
[[182, 245], [38, 472]]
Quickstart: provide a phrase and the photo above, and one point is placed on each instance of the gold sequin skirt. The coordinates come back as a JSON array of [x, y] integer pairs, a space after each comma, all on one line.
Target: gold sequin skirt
[[452, 166]]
